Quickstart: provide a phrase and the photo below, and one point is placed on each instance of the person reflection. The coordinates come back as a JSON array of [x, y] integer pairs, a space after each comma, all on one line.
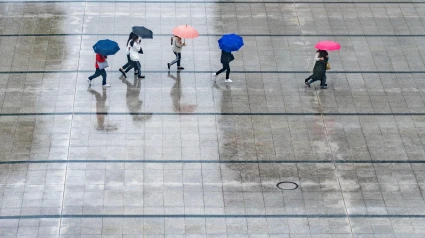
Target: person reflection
[[228, 141], [134, 104], [226, 97], [176, 96], [100, 107]]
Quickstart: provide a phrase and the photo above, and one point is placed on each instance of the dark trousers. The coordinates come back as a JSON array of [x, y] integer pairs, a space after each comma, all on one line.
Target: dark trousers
[[178, 58], [129, 63], [309, 77], [99, 72], [322, 81], [226, 67], [136, 65]]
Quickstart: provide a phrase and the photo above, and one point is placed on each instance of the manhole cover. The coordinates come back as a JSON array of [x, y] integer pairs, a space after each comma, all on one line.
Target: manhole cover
[[286, 185]]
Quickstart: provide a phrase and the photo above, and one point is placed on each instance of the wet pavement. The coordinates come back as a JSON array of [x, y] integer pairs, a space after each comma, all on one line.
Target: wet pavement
[[179, 155]]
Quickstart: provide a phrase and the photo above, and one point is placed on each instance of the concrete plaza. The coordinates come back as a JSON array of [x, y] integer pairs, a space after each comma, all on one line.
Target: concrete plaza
[[179, 155]]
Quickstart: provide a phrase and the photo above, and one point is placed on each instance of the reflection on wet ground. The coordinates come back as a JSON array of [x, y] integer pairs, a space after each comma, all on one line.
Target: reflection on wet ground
[[101, 110], [134, 103], [176, 95], [179, 155]]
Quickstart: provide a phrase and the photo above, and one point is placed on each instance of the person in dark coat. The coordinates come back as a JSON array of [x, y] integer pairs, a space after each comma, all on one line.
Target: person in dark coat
[[319, 73], [321, 55], [226, 58]]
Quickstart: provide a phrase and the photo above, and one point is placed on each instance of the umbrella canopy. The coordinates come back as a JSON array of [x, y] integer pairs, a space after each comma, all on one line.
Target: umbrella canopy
[[185, 31], [143, 32], [106, 47], [230, 42], [328, 45]]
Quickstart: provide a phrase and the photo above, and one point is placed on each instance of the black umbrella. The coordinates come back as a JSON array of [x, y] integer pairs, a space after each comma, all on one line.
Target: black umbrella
[[143, 32]]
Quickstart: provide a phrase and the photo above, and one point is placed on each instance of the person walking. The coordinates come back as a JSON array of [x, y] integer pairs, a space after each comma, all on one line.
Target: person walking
[[177, 49], [321, 55], [135, 47], [100, 65], [319, 73], [129, 63], [226, 58]]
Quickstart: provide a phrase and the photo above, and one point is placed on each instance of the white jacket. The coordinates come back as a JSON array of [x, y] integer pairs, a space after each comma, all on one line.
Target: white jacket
[[316, 58], [134, 51]]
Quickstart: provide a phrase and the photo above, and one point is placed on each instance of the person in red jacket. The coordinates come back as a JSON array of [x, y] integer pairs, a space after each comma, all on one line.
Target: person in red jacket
[[100, 70]]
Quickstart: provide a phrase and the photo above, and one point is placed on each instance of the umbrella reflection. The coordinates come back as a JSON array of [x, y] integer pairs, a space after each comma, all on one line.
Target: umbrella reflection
[[101, 110], [176, 96], [134, 104]]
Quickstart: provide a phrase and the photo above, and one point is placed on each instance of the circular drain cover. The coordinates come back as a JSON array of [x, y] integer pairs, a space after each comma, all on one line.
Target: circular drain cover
[[286, 185]]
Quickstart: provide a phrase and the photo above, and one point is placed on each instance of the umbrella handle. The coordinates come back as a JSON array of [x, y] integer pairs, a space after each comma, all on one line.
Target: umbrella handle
[[184, 40]]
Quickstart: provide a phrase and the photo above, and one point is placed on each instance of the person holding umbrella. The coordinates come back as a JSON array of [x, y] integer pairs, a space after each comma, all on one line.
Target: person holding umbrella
[[132, 63], [177, 49], [135, 46], [100, 70], [103, 48], [136, 49], [183, 31], [129, 63], [319, 73], [320, 55], [227, 44], [226, 58], [321, 65]]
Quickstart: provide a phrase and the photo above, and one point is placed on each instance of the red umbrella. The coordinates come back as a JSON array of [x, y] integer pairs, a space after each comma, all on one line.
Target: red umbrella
[[185, 31], [328, 45]]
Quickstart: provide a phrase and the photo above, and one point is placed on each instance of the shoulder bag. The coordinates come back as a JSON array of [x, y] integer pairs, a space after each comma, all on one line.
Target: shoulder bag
[[103, 65]]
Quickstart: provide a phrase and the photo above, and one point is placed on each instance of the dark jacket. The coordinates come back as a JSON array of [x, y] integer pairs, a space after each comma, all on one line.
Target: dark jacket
[[322, 54], [319, 69], [226, 57]]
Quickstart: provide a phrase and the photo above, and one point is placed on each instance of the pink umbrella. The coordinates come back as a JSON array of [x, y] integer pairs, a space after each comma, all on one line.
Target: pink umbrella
[[328, 45], [185, 31]]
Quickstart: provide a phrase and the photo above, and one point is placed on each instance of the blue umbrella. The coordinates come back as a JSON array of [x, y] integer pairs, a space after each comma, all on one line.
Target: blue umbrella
[[230, 42], [106, 47]]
